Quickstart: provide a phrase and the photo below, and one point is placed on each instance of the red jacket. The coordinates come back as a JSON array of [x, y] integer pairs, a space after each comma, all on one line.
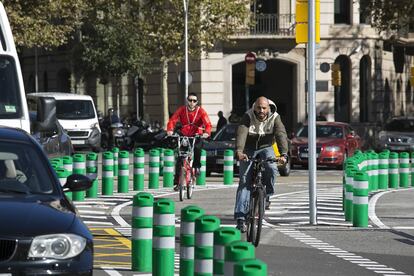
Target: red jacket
[[192, 121]]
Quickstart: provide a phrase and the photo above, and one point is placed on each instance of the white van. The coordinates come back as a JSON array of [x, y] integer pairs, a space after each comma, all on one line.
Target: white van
[[13, 107], [77, 114]]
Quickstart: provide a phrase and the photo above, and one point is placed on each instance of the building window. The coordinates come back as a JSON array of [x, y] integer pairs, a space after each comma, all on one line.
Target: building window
[[342, 10]]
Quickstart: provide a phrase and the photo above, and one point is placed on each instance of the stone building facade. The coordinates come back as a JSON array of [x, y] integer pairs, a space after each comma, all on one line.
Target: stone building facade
[[374, 71]]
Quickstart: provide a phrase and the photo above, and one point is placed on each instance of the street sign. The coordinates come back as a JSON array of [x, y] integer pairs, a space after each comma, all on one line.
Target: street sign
[[181, 78], [261, 65], [250, 58]]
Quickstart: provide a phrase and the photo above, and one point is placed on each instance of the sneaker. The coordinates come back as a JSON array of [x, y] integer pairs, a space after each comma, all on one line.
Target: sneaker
[[176, 187], [197, 172], [267, 205], [241, 225]]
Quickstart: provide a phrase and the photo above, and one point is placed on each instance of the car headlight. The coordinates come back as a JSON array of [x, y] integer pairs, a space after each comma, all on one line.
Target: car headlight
[[332, 148], [382, 136], [57, 246]]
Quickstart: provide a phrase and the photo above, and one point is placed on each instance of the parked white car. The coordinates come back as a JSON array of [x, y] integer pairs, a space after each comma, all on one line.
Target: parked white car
[[77, 114]]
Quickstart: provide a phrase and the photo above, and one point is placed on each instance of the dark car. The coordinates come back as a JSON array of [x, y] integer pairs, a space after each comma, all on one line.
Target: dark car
[[334, 142], [226, 139], [40, 233], [55, 142], [397, 135]]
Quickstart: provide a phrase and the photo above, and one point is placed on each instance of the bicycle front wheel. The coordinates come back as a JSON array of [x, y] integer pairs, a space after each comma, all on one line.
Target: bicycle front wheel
[[256, 217], [182, 183]]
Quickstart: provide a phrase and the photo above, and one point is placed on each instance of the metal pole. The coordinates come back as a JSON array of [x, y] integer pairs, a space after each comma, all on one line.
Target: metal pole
[[312, 113], [137, 94], [36, 70], [186, 2]]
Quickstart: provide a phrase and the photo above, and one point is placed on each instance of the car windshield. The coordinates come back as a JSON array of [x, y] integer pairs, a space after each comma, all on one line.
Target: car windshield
[[227, 133], [400, 125], [10, 101], [325, 131], [74, 109], [22, 170]]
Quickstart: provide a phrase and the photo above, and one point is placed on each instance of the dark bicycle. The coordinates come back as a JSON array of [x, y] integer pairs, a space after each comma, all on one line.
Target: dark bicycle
[[257, 200]]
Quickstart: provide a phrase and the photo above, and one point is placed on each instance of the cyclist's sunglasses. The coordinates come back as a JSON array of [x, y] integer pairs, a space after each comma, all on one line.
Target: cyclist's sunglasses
[[192, 100]]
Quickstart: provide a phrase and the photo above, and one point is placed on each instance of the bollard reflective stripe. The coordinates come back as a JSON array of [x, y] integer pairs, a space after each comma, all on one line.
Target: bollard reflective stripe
[[219, 252], [139, 159], [141, 233], [154, 159], [145, 212], [123, 172], [203, 266], [164, 219], [154, 169], [168, 158], [360, 200], [108, 162], [204, 239], [187, 252], [139, 170], [187, 228], [107, 173], [228, 268], [164, 242], [360, 184]]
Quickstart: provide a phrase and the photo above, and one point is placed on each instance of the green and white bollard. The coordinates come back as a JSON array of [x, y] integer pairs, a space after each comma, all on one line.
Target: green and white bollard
[[187, 238], [374, 171], [228, 164], [393, 172], [235, 252], [154, 169], [123, 172], [383, 170], [168, 168], [62, 175], [222, 237], [161, 150], [412, 169], [349, 193], [164, 238], [201, 178], [107, 173], [115, 152], [92, 173], [204, 244], [250, 267], [139, 166], [142, 221], [58, 161], [404, 169], [79, 167], [369, 170], [360, 200], [68, 166]]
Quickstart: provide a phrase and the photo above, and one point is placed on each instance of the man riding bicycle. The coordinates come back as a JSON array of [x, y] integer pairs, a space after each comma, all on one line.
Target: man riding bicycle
[[259, 128], [194, 121]]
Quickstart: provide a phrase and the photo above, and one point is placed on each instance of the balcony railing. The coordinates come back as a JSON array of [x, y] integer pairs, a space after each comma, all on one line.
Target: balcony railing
[[269, 24]]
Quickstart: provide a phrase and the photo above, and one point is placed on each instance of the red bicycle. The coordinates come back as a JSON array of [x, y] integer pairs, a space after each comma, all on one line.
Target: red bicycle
[[185, 152]]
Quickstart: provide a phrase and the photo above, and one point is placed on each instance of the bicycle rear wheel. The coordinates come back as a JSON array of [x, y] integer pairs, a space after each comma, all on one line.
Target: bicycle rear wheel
[[256, 217]]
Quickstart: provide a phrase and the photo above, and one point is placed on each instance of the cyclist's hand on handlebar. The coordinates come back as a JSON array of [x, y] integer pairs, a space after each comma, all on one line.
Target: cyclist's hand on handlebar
[[169, 133], [205, 135], [241, 156]]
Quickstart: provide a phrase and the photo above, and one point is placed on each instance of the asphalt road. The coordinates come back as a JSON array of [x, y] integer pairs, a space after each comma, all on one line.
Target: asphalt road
[[289, 244]]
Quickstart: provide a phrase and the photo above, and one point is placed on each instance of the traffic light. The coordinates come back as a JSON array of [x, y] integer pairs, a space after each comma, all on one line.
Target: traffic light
[[336, 74], [302, 21], [412, 77]]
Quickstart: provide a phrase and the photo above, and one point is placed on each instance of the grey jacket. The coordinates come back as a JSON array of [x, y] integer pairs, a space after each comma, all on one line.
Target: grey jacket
[[253, 134]]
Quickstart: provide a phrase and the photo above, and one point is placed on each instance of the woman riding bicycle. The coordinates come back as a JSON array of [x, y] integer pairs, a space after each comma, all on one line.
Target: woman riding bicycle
[[259, 128], [194, 120]]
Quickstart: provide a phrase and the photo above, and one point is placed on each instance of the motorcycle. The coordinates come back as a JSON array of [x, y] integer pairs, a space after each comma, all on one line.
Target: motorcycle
[[114, 136], [140, 134]]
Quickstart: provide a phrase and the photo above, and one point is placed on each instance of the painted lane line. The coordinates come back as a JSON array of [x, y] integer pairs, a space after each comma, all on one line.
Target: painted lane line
[[338, 252], [94, 217], [95, 207], [98, 222], [91, 212]]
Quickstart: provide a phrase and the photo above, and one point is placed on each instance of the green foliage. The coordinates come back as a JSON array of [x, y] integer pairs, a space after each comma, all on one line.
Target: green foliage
[[111, 43], [394, 15], [44, 24], [209, 22]]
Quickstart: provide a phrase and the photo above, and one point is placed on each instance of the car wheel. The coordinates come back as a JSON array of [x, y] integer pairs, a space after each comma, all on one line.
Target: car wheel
[[285, 170]]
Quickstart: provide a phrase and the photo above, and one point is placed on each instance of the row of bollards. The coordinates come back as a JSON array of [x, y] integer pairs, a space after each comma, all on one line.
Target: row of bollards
[[205, 247], [370, 172], [116, 165]]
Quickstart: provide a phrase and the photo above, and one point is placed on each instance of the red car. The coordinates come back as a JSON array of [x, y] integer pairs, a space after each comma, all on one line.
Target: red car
[[334, 142]]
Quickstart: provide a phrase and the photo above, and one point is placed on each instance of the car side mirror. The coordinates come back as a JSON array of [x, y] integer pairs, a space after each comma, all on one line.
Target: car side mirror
[[46, 115], [77, 183]]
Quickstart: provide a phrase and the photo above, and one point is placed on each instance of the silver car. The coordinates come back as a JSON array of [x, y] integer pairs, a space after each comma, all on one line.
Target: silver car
[[397, 135]]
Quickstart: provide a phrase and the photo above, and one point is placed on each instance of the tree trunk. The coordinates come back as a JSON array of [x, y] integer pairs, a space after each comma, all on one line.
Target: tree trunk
[[164, 81]]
